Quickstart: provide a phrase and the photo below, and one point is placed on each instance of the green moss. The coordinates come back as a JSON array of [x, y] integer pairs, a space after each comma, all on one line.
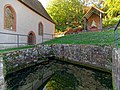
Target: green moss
[[85, 65], [4, 68], [113, 84], [9, 70]]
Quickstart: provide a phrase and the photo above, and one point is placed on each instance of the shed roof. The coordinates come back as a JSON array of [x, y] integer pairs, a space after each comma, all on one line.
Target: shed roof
[[91, 11], [37, 7]]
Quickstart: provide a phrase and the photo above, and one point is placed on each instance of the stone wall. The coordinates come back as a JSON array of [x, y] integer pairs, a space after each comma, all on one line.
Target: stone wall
[[116, 69], [1, 74], [96, 56], [18, 60]]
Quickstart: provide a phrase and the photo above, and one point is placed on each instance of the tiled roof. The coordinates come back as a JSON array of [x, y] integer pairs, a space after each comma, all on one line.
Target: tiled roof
[[91, 11], [37, 7]]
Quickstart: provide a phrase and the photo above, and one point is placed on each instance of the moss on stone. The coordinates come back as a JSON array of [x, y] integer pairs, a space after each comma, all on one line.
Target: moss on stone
[[85, 65]]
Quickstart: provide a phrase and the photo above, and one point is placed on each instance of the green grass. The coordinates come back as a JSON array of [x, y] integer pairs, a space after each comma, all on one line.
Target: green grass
[[17, 48], [91, 38]]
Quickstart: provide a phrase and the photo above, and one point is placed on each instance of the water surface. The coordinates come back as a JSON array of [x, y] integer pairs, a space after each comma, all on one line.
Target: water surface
[[56, 75]]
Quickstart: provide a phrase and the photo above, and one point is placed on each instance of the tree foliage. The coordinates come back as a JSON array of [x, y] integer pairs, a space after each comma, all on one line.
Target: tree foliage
[[112, 8], [69, 13], [65, 13]]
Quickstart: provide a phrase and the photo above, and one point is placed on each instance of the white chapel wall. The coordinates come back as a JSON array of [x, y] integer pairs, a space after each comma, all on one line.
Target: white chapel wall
[[26, 21]]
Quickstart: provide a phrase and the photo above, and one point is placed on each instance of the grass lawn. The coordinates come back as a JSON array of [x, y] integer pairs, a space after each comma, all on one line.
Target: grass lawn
[[94, 38], [14, 49]]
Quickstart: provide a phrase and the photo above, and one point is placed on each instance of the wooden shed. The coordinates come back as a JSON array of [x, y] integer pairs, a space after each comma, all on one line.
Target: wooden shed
[[93, 19]]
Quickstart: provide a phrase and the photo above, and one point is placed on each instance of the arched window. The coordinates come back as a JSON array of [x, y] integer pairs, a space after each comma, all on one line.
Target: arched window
[[40, 29], [9, 18]]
